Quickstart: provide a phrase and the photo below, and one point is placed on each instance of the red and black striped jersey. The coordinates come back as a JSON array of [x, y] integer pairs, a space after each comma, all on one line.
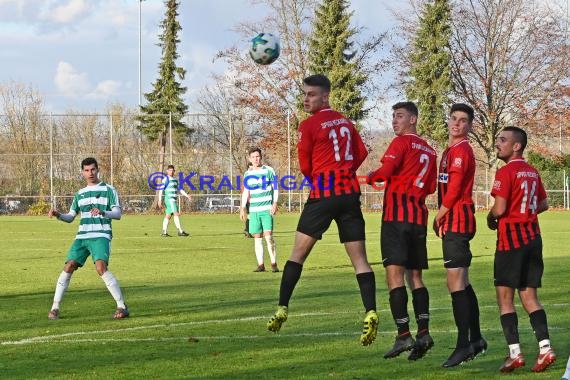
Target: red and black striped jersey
[[409, 171], [520, 184], [330, 151], [456, 177]]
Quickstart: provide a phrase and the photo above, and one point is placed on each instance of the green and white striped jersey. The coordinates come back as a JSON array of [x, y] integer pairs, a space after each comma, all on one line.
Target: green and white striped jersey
[[101, 196], [171, 189], [263, 191]]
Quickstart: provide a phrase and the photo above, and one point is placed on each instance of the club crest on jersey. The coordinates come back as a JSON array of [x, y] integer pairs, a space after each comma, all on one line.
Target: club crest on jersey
[[497, 185], [442, 178], [457, 162]]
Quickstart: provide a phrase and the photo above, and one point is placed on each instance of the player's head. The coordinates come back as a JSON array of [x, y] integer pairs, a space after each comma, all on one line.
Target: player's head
[[254, 155], [170, 170], [510, 143], [89, 161], [465, 108], [316, 92], [90, 170], [460, 120], [404, 118]]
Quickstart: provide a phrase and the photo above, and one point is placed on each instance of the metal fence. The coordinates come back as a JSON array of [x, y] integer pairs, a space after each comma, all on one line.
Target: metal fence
[[40, 157]]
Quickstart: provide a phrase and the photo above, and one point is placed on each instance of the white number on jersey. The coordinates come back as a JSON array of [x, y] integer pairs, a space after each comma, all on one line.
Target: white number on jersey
[[530, 198], [424, 159], [344, 132]]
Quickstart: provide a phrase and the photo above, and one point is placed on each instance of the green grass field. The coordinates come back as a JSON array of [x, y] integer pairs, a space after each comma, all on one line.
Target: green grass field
[[198, 310]]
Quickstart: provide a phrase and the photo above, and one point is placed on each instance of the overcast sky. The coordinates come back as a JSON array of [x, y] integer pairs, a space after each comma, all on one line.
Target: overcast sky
[[82, 55]]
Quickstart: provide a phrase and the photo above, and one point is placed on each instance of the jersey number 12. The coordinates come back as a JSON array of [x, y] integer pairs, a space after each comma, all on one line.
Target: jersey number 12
[[344, 132]]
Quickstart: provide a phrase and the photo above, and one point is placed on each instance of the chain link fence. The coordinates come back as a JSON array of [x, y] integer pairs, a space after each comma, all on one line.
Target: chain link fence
[[40, 158]]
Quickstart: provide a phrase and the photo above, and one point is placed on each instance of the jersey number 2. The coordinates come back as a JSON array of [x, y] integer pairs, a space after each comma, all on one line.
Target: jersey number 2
[[424, 159], [344, 132]]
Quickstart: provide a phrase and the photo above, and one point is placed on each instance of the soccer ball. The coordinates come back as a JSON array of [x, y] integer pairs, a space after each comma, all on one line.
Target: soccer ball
[[264, 48]]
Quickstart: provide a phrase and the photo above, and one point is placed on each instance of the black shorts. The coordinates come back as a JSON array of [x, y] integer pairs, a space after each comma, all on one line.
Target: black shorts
[[404, 244], [345, 210], [456, 250], [521, 267]]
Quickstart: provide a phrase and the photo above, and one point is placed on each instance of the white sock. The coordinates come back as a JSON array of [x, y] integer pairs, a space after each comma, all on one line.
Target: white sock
[[177, 223], [514, 350], [567, 373], [165, 225], [60, 288], [271, 248], [114, 288], [258, 246], [544, 346]]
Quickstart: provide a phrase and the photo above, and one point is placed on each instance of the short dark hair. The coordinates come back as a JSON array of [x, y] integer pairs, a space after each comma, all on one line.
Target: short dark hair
[[89, 161], [408, 106], [464, 108], [170, 167], [318, 80], [520, 135], [255, 149]]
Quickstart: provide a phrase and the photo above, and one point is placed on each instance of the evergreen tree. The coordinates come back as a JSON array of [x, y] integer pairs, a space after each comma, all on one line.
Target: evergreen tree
[[331, 54], [430, 71], [166, 96]]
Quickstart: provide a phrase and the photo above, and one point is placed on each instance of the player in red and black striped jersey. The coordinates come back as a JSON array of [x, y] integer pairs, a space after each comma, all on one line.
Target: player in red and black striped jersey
[[455, 188], [409, 174], [455, 224], [519, 198], [330, 151]]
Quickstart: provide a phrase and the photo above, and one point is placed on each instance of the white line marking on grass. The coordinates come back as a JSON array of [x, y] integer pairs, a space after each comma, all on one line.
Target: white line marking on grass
[[46, 338], [196, 339], [59, 338]]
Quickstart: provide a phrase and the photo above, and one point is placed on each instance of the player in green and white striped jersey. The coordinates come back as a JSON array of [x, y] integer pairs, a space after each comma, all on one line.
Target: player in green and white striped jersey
[[262, 193], [96, 204], [171, 202]]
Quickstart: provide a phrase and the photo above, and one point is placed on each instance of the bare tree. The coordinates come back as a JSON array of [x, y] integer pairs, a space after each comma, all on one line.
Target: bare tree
[[509, 57], [267, 94], [27, 139]]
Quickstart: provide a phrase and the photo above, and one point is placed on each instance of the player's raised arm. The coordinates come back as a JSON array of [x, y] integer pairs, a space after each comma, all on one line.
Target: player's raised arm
[[68, 218]]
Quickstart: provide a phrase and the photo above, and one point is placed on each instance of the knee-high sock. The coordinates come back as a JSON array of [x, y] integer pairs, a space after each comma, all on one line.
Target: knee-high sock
[[60, 288], [510, 325], [114, 288], [367, 285], [165, 224], [271, 248], [399, 308], [474, 324], [539, 324], [420, 300], [291, 275], [461, 314], [258, 247], [177, 223]]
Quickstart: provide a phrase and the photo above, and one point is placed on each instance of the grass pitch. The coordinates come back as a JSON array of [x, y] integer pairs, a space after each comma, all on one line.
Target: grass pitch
[[199, 311]]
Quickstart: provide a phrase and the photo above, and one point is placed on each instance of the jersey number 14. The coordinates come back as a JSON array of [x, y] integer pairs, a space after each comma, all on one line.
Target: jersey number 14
[[528, 198]]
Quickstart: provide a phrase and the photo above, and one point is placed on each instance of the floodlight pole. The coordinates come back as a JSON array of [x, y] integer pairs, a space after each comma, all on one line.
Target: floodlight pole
[[140, 52]]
